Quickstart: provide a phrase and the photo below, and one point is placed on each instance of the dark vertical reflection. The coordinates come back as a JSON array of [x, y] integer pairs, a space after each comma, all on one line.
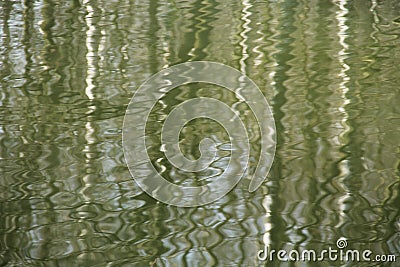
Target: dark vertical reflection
[[283, 43], [7, 144], [196, 29], [154, 27], [6, 70]]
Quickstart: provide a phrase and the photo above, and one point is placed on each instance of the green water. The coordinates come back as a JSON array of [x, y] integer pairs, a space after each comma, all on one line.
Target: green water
[[329, 69]]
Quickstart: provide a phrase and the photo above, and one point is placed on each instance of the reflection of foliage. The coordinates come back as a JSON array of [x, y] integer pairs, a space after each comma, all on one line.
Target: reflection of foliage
[[68, 70]]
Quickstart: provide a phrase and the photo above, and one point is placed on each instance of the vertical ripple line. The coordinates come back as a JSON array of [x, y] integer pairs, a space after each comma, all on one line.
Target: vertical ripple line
[[246, 29], [342, 56], [90, 76]]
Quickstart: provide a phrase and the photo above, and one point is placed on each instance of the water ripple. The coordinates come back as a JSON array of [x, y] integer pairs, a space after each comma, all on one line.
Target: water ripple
[[330, 70]]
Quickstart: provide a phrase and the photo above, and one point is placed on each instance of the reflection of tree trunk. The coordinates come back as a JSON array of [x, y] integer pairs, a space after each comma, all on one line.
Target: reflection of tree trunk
[[196, 40], [91, 71], [245, 18], [7, 97], [275, 227], [341, 17], [5, 41], [29, 18], [153, 40]]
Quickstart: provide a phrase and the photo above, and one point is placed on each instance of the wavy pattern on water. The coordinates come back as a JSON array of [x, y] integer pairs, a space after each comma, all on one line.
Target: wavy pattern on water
[[329, 69], [378, 179], [196, 27], [322, 69], [206, 234]]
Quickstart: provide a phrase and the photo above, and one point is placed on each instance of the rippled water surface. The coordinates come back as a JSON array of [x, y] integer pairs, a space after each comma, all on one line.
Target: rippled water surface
[[330, 70]]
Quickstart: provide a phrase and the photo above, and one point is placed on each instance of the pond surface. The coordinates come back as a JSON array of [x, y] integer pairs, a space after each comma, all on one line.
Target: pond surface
[[329, 69]]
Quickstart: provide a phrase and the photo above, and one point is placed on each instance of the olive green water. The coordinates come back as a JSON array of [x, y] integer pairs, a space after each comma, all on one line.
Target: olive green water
[[330, 70]]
